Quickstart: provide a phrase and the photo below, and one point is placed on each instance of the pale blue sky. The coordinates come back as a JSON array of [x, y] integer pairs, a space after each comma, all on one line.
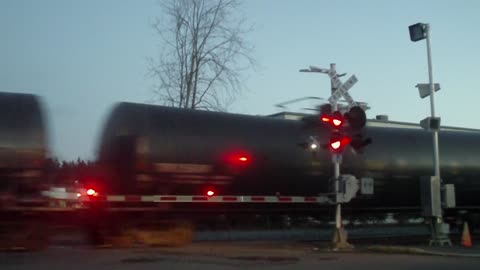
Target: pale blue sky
[[83, 56]]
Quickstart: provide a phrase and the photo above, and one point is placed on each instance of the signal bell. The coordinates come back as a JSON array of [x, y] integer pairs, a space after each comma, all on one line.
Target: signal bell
[[356, 117]]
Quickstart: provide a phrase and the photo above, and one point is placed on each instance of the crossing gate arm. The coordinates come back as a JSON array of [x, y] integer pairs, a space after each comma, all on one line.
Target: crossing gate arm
[[321, 199]]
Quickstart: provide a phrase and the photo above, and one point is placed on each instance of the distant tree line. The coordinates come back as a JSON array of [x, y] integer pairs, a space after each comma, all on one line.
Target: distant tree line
[[66, 173]]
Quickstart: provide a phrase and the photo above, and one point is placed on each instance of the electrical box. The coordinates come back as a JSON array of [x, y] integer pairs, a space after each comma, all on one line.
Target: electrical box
[[430, 196], [449, 200], [348, 188], [366, 186], [430, 123]]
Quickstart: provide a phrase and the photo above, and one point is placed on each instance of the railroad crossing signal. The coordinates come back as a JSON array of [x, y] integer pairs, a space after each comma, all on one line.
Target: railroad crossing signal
[[345, 129], [338, 139]]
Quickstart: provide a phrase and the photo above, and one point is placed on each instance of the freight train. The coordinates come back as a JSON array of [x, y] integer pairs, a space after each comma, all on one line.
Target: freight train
[[155, 150], [23, 152], [22, 144], [184, 163], [156, 161]]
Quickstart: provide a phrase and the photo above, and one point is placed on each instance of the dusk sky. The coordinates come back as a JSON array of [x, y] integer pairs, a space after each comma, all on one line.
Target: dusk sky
[[83, 56]]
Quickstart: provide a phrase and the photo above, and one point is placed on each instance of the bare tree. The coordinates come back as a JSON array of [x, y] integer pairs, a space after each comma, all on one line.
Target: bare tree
[[203, 54]]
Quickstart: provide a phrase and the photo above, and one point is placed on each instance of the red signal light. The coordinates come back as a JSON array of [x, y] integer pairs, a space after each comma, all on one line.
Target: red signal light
[[337, 144], [243, 159], [335, 120], [91, 192], [210, 193], [239, 158]]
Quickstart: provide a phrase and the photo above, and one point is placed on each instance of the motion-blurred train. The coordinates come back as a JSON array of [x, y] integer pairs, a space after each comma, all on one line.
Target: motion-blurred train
[[149, 149], [160, 158], [23, 145]]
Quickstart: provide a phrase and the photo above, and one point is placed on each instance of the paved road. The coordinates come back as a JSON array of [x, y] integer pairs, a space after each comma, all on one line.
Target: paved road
[[214, 256]]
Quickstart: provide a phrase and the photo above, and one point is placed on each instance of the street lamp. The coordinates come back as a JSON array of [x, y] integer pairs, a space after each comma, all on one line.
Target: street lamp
[[420, 31]]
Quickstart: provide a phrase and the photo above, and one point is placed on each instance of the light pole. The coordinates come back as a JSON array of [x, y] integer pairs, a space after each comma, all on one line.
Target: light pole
[[419, 32]]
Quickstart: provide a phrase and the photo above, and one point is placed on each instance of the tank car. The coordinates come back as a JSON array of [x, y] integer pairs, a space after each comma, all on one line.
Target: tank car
[[22, 144], [148, 149]]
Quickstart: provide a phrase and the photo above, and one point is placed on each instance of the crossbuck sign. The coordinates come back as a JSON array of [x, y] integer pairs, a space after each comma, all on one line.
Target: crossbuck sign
[[342, 88]]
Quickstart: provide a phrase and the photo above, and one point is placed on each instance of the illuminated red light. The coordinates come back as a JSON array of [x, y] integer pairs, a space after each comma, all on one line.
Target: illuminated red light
[[210, 193], [335, 145], [338, 144], [91, 192], [243, 159], [238, 158], [337, 122], [79, 195]]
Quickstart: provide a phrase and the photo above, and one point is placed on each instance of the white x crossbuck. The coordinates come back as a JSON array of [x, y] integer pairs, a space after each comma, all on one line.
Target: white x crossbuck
[[342, 88]]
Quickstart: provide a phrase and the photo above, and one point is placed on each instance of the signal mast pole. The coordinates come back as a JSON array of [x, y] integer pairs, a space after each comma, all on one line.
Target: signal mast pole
[[336, 159], [339, 239]]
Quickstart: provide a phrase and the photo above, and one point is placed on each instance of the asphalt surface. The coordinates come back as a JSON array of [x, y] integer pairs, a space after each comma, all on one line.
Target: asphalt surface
[[274, 249], [319, 234], [229, 255]]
